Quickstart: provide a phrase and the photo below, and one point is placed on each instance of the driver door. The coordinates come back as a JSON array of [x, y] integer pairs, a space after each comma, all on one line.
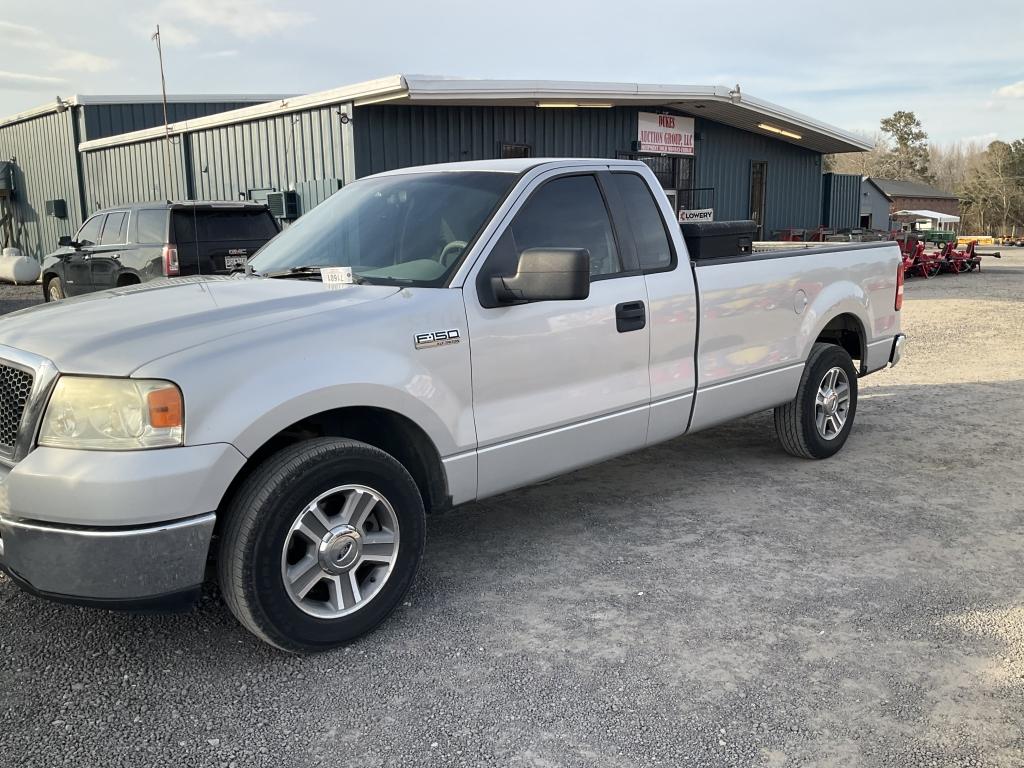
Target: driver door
[[558, 384], [77, 264]]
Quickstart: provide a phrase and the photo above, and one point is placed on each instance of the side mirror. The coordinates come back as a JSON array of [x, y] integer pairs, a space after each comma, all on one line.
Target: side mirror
[[65, 241], [546, 274]]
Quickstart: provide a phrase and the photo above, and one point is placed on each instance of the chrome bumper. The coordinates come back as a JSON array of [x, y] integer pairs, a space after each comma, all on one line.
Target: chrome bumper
[[108, 566], [897, 348]]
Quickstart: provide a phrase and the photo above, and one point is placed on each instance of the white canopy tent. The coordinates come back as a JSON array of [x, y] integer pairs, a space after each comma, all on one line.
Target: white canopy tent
[[940, 218]]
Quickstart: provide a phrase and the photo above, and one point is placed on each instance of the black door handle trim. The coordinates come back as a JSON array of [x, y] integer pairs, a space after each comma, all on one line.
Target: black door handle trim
[[630, 316]]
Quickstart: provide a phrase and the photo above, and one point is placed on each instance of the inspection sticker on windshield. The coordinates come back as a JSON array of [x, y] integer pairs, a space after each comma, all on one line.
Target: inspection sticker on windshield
[[335, 277]]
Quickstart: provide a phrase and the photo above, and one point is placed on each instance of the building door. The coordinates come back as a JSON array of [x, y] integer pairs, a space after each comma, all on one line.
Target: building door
[[758, 179]]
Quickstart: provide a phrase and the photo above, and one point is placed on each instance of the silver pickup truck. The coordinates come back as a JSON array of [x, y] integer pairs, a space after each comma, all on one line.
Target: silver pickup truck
[[424, 338]]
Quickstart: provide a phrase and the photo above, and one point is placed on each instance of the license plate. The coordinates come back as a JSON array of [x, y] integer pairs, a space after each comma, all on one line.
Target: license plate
[[234, 262]]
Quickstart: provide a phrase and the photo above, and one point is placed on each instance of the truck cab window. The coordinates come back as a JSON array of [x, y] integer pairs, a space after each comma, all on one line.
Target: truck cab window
[[89, 234], [652, 243], [114, 229], [568, 212]]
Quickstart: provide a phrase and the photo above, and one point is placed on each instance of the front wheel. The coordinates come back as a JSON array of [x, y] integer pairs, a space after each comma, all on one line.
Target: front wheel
[[320, 544], [817, 422], [54, 289]]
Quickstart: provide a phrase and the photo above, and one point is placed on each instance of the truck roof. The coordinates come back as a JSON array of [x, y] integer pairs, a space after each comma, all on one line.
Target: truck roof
[[512, 165]]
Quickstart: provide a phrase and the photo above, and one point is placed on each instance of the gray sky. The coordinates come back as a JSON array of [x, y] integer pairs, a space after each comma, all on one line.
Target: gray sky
[[959, 65]]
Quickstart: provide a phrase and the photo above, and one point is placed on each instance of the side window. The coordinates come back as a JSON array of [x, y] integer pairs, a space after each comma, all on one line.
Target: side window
[[114, 230], [89, 234], [151, 226], [652, 242], [568, 212]]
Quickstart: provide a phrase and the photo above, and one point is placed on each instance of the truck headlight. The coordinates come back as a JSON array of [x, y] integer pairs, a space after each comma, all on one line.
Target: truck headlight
[[112, 414]]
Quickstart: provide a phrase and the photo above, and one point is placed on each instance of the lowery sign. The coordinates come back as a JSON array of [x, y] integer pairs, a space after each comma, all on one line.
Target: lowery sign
[[665, 134], [697, 214]]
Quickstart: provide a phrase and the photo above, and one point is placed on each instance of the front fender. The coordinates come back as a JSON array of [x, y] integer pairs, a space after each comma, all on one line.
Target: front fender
[[245, 388]]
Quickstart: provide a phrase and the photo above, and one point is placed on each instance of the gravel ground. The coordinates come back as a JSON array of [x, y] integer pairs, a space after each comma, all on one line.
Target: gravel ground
[[711, 601]]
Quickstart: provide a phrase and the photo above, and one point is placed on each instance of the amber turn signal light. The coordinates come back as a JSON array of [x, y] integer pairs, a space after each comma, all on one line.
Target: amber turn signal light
[[165, 408]]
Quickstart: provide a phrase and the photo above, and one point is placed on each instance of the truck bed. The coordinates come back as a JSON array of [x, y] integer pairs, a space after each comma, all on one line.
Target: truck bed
[[760, 312]]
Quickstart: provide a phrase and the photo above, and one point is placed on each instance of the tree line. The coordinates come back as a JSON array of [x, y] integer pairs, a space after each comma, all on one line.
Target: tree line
[[988, 179]]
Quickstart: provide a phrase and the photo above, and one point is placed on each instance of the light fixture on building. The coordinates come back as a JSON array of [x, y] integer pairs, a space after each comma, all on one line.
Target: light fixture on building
[[571, 105], [780, 131]]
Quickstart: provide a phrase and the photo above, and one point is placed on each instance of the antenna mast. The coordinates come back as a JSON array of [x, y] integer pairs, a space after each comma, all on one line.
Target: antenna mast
[[167, 128]]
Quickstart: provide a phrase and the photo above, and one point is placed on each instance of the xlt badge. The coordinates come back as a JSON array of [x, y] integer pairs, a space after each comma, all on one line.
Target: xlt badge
[[437, 338]]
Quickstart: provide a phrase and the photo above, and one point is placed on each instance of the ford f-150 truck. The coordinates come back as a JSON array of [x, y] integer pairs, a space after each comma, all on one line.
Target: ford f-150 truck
[[425, 337]]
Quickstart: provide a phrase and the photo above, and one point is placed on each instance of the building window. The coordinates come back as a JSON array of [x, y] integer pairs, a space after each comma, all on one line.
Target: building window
[[516, 150]]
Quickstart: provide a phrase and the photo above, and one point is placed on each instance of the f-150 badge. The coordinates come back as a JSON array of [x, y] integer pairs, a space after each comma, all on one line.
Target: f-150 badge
[[437, 338]]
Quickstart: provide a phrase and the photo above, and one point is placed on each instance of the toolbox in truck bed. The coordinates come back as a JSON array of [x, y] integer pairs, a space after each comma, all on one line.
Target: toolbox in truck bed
[[718, 239]]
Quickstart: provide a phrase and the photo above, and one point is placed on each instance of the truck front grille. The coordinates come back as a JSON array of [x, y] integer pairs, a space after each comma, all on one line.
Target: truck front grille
[[15, 390]]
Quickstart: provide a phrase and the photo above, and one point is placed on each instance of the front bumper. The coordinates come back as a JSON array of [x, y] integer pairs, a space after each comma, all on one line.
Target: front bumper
[[897, 348], [113, 528], [151, 566]]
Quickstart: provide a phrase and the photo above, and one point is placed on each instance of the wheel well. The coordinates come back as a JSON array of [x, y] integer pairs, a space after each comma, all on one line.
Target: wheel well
[[129, 279], [48, 276], [391, 432], [847, 332]]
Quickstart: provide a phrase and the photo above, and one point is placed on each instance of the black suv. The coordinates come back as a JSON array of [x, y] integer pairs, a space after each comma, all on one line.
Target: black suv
[[145, 241]]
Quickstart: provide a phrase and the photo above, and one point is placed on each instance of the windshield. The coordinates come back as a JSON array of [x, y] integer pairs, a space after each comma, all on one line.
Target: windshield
[[410, 228]]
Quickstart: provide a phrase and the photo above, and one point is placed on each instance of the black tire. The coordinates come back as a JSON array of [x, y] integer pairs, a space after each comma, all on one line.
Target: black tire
[[795, 421], [54, 290], [259, 519]]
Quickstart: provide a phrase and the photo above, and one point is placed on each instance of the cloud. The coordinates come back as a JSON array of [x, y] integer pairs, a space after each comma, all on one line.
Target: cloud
[[227, 54], [58, 57], [174, 36], [20, 81], [80, 61], [982, 139], [24, 37], [242, 18], [1012, 91]]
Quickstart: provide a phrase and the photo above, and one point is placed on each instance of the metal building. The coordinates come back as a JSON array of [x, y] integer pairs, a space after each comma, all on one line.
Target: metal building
[[40, 148], [718, 152], [840, 203]]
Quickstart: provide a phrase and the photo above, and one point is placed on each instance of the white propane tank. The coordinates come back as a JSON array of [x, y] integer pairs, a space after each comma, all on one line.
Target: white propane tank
[[17, 268]]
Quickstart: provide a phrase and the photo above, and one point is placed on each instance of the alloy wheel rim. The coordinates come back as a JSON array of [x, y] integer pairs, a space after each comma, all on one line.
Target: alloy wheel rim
[[340, 551], [832, 403]]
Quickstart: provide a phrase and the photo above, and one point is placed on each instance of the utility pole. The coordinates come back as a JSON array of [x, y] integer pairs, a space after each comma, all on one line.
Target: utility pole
[[167, 128]]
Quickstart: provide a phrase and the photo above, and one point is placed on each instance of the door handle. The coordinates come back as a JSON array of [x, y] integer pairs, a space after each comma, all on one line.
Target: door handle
[[630, 316], [86, 256], [115, 255]]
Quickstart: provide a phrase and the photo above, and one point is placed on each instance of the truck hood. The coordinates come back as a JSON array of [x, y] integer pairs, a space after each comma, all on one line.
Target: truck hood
[[114, 332]]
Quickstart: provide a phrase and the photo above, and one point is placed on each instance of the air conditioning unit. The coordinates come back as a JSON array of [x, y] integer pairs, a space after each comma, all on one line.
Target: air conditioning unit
[[284, 205]]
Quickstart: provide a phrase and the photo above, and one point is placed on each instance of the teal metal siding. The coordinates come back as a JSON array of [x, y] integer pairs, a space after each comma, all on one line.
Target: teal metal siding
[[43, 150], [303, 150], [272, 153], [840, 204], [102, 120], [793, 189], [133, 173], [398, 136]]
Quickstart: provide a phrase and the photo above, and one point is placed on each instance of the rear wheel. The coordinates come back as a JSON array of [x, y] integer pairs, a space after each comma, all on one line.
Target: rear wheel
[[54, 289], [320, 544], [817, 423]]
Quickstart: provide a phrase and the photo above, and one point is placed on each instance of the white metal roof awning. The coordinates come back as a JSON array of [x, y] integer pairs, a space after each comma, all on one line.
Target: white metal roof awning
[[941, 218], [723, 105]]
